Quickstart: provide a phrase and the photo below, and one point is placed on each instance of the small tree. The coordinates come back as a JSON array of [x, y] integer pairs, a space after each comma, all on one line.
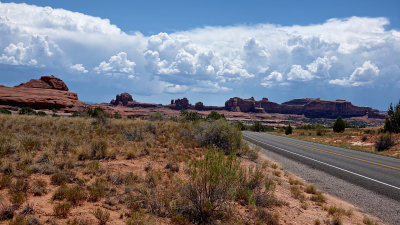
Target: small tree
[[339, 125], [215, 116], [288, 130], [392, 123], [258, 127]]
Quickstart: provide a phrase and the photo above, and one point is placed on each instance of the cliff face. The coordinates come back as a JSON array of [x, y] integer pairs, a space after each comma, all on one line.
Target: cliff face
[[311, 108]]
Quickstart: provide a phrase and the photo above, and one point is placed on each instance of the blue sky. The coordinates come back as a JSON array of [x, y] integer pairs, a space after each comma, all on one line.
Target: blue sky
[[207, 50]]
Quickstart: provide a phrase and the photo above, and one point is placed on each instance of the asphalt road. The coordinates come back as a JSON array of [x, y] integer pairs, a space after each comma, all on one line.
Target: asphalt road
[[380, 174]]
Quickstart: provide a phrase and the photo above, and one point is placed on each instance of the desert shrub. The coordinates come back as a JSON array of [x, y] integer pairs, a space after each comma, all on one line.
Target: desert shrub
[[311, 189], [102, 216], [383, 142], [76, 195], [215, 116], [97, 190], [339, 125], [156, 116], [6, 212], [258, 127], [190, 115], [18, 220], [94, 168], [239, 125], [28, 209], [20, 185], [29, 142], [5, 111], [39, 187], [219, 134], [212, 184], [133, 134], [266, 217], [60, 192], [97, 150], [78, 221], [7, 146], [318, 197], [248, 182], [288, 130], [27, 111], [17, 198], [62, 209], [392, 122], [369, 221], [41, 113], [59, 178], [5, 181]]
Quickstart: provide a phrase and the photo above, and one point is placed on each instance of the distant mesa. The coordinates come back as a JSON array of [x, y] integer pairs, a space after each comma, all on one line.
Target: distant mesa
[[309, 107], [48, 92]]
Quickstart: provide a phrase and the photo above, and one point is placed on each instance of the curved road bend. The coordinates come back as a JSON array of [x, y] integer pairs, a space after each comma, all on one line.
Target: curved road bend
[[371, 173]]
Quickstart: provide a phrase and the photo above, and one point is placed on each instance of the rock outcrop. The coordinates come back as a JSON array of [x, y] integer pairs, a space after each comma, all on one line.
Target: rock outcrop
[[309, 107], [125, 99], [48, 92], [179, 104], [46, 82]]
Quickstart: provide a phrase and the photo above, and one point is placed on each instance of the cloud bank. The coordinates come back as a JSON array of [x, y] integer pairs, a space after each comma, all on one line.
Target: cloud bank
[[346, 53]]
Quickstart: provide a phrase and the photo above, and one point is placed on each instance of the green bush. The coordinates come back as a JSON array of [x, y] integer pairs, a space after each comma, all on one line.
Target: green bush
[[288, 130], [41, 113], [156, 116], [4, 111], [26, 111], [215, 116], [220, 134], [339, 125], [212, 184], [383, 142], [239, 125], [189, 115], [392, 123], [59, 178]]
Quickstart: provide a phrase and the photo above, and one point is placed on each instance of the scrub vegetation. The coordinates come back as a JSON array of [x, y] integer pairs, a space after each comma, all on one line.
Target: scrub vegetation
[[94, 168]]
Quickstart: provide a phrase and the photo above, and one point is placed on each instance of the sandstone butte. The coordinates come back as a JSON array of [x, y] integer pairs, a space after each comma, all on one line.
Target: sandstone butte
[[48, 92]]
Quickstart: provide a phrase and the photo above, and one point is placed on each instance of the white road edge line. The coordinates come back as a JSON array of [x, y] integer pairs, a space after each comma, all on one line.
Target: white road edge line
[[327, 164]]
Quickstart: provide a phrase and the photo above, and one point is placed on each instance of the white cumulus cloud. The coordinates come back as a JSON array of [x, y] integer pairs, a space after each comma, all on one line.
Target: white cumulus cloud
[[79, 68], [354, 51], [118, 64], [362, 75]]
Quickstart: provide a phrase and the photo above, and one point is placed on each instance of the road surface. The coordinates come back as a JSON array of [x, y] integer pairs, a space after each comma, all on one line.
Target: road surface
[[378, 173]]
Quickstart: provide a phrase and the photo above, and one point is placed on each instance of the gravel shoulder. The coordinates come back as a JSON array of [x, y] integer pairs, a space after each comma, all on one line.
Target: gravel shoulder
[[384, 208]]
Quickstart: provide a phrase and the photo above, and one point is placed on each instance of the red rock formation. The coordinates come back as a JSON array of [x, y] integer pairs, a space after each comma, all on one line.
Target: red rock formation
[[179, 104], [310, 107], [125, 99], [46, 82], [199, 106], [122, 98], [48, 92], [240, 105], [38, 98]]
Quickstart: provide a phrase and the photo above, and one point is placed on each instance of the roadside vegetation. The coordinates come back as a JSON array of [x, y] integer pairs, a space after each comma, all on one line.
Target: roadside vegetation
[[95, 168]]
